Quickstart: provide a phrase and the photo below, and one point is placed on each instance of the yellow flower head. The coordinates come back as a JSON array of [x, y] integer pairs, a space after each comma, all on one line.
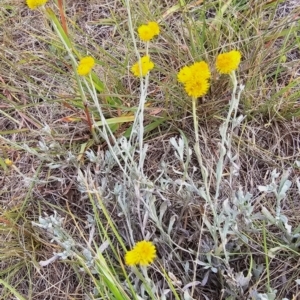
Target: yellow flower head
[[33, 4], [184, 74], [146, 66], [195, 78], [143, 253], [200, 69], [197, 87], [147, 32], [85, 66], [8, 162], [154, 27], [228, 62]]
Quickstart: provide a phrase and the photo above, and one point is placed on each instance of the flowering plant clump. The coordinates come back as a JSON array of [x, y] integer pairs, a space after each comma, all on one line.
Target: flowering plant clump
[[85, 66], [195, 79], [228, 62], [143, 253], [142, 67], [148, 31], [33, 4]]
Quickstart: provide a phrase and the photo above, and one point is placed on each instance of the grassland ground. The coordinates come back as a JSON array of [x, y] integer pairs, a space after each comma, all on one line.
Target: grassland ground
[[105, 192]]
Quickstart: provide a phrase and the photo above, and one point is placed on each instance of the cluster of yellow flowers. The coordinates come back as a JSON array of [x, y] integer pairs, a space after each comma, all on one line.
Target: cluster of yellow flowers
[[33, 4], [143, 253], [146, 33], [195, 78]]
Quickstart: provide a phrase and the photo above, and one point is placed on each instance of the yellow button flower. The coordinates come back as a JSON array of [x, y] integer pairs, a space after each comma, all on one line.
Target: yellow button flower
[[184, 74], [8, 162], [143, 253], [149, 31], [200, 69], [195, 79], [154, 27], [196, 87], [33, 4], [146, 66], [85, 66], [228, 62]]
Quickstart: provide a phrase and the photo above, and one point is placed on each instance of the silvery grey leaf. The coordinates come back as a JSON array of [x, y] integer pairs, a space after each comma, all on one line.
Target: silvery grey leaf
[[243, 281], [191, 284]]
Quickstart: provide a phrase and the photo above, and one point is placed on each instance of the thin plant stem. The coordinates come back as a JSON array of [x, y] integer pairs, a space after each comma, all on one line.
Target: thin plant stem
[[138, 124], [199, 157], [233, 107], [88, 117], [62, 16]]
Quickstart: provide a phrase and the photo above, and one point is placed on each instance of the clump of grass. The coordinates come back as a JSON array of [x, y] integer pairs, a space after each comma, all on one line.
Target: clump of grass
[[105, 159]]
